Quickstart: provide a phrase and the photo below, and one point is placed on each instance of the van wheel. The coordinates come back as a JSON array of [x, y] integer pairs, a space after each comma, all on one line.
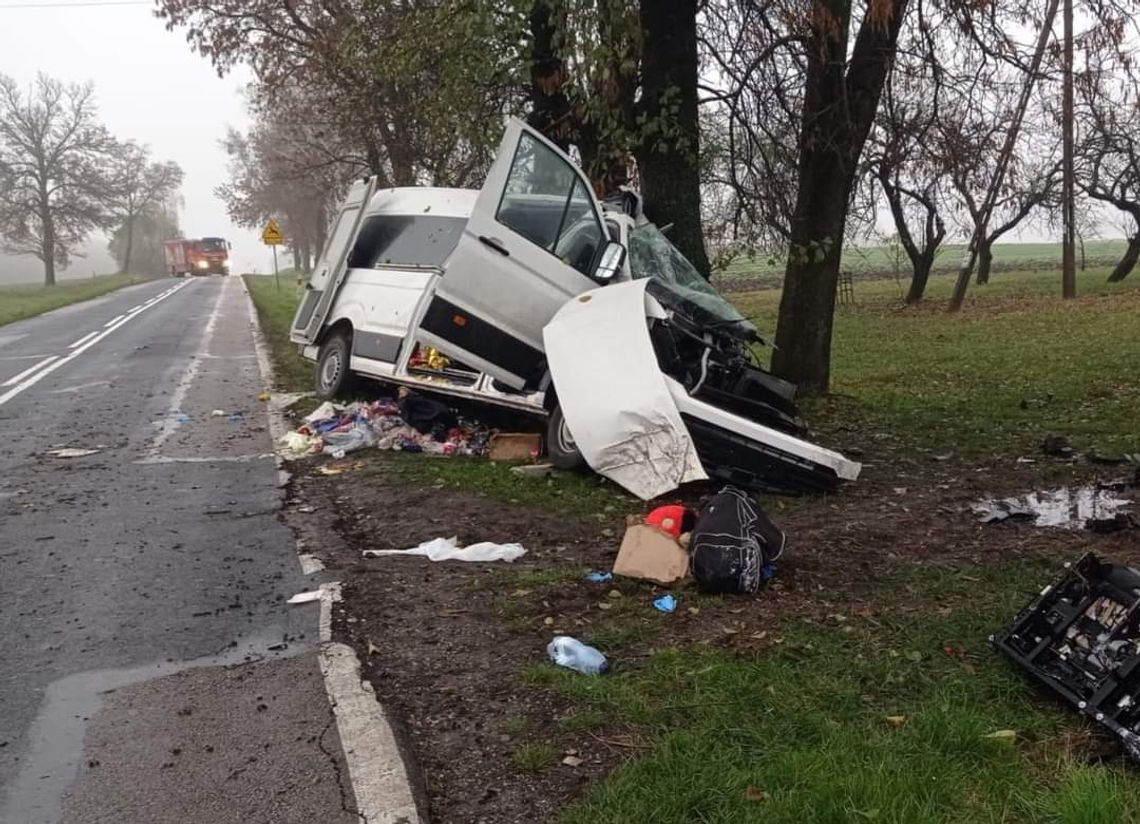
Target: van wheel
[[333, 378], [560, 446]]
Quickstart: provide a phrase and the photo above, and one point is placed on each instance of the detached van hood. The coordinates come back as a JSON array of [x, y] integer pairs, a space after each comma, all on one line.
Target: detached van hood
[[613, 396]]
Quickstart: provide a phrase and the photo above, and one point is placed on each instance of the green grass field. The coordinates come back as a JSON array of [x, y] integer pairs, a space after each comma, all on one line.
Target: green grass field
[[19, 302], [885, 260], [276, 305], [864, 718]]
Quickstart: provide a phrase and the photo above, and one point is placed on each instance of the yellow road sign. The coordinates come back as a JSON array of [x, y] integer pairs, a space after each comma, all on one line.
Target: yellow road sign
[[272, 236]]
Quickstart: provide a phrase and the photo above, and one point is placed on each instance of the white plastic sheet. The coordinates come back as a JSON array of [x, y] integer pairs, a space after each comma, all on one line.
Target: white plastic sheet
[[614, 398], [447, 549]]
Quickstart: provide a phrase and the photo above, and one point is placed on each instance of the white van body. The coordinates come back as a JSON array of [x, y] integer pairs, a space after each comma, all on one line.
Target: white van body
[[480, 275]]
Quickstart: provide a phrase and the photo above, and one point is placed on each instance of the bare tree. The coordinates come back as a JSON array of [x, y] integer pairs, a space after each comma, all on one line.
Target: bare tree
[[54, 159], [137, 186], [1110, 151], [905, 158], [971, 137]]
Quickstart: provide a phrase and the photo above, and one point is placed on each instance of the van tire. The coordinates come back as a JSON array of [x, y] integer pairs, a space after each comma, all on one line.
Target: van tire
[[560, 447], [333, 378]]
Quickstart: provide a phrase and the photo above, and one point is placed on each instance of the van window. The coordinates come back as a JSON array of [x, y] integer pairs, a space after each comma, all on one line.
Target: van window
[[395, 240], [547, 203]]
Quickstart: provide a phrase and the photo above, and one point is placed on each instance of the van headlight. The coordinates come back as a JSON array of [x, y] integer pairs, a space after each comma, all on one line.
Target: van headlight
[[202, 264]]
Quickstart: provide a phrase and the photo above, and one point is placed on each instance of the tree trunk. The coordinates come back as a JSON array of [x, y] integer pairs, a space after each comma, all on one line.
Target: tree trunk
[[550, 107], [829, 149], [48, 250], [1128, 262], [920, 278], [669, 165], [126, 267], [985, 261]]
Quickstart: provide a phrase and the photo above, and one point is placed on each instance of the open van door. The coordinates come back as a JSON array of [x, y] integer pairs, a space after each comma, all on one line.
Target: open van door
[[535, 239], [332, 265]]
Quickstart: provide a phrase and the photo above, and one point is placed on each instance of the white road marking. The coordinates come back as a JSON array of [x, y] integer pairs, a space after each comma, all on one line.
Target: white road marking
[[134, 308], [170, 422], [376, 768], [84, 339], [75, 353], [12, 381], [163, 459], [70, 390], [113, 321]]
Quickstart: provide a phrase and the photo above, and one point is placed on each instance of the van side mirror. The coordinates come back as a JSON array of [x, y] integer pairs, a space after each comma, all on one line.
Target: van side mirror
[[610, 263]]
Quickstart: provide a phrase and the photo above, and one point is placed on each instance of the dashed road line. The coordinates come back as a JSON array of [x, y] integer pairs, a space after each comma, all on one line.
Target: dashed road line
[[35, 378], [84, 339], [12, 381], [113, 321]]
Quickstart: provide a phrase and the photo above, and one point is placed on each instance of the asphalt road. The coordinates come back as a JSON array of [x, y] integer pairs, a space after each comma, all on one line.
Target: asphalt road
[[150, 669]]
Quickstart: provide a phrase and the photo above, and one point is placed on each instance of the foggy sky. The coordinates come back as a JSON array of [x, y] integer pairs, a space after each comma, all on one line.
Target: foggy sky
[[149, 87]]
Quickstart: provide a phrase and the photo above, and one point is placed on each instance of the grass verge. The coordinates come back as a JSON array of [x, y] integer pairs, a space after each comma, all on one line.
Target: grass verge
[[1018, 363], [276, 306], [19, 302], [898, 718]]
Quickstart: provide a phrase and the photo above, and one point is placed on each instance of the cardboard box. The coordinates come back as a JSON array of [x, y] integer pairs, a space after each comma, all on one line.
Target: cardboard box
[[515, 447], [648, 553]]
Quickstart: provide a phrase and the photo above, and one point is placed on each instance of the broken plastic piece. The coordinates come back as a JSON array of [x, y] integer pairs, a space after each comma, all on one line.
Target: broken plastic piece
[[305, 597], [599, 577], [1080, 639], [666, 603]]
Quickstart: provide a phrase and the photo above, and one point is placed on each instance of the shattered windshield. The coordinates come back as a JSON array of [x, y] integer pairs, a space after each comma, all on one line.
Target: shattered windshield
[[651, 255]]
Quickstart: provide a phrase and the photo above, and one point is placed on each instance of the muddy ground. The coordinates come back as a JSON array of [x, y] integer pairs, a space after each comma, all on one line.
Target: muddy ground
[[445, 645]]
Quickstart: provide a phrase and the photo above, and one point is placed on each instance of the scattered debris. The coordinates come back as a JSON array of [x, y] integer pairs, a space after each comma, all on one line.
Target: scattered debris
[[1057, 446], [1117, 523], [544, 470], [1002, 735], [72, 452], [181, 417], [412, 424], [218, 413], [573, 761], [515, 447], [675, 519], [648, 553], [1079, 638], [1067, 507], [264, 397], [758, 796], [666, 603], [448, 549], [895, 720], [305, 597], [573, 654], [599, 577]]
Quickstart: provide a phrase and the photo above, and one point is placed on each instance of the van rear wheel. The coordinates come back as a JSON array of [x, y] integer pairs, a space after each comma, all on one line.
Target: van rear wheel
[[334, 378], [560, 446]]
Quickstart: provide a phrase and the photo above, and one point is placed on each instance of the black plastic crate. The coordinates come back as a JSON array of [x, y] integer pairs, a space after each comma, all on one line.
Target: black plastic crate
[[1081, 638]]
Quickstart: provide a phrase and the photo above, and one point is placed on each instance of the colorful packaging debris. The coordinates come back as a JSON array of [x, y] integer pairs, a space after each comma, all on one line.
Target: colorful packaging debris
[[336, 430]]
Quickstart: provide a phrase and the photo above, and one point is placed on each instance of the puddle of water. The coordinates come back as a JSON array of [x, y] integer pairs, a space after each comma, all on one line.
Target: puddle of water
[[1066, 508]]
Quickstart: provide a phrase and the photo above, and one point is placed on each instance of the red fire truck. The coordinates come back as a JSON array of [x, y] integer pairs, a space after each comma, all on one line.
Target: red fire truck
[[201, 256]]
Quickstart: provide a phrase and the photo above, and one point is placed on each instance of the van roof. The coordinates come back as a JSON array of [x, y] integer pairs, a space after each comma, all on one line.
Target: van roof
[[433, 200]]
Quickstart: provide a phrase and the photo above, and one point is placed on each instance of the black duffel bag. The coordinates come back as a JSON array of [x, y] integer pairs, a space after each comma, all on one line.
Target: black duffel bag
[[734, 544]]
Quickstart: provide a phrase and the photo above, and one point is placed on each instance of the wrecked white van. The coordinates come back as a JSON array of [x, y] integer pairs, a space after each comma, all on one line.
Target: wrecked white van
[[533, 295]]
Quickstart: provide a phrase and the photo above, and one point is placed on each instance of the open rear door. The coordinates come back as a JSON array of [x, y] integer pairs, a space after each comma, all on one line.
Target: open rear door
[[532, 243], [333, 264]]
